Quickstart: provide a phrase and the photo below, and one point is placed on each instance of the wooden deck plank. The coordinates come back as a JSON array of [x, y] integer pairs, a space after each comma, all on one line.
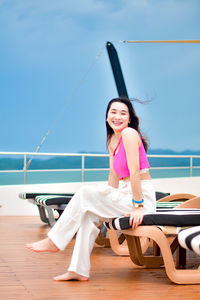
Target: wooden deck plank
[[27, 275]]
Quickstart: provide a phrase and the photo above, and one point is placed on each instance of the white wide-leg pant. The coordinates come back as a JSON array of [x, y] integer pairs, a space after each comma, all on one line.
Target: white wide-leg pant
[[89, 207]]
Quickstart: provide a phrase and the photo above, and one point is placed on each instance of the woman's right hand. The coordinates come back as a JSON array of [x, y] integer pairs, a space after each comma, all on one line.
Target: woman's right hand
[[136, 217]]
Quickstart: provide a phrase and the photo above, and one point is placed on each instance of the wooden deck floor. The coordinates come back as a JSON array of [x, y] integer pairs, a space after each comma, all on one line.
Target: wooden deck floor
[[26, 275]]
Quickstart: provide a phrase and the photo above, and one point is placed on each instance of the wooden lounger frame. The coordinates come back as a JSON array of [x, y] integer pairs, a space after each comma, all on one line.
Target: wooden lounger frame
[[178, 276], [136, 248]]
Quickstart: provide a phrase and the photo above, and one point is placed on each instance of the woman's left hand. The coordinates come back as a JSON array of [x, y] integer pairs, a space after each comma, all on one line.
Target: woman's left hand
[[136, 217]]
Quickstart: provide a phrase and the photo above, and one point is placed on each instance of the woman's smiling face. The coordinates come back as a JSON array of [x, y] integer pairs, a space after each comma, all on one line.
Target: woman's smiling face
[[118, 116]]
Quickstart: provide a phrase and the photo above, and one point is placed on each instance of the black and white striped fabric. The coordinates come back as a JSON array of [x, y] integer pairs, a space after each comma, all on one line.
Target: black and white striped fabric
[[52, 199], [46, 198], [190, 239], [165, 217]]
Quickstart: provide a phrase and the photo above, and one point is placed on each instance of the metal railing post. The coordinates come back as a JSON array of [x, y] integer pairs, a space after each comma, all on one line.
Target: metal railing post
[[25, 169], [191, 165], [83, 168]]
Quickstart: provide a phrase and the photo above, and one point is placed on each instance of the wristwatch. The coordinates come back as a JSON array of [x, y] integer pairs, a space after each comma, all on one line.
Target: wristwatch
[[136, 205]]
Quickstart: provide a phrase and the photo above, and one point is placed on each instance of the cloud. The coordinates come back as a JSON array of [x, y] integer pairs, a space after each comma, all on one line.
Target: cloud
[[47, 6], [44, 17]]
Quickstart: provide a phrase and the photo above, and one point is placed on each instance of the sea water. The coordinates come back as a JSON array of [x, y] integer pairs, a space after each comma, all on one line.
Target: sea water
[[76, 176]]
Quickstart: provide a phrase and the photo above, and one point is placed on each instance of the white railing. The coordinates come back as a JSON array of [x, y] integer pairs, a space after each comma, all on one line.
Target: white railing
[[190, 157], [25, 170]]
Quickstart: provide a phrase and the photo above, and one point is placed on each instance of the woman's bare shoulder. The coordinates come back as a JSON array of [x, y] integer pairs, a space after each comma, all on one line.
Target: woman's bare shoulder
[[130, 133]]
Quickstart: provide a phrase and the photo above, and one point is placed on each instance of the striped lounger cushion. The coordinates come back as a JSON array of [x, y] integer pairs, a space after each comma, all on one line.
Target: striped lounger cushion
[[52, 199], [163, 217], [190, 239], [46, 198]]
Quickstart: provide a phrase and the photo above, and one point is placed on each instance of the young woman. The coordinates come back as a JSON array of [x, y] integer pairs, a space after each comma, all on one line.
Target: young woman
[[129, 192]]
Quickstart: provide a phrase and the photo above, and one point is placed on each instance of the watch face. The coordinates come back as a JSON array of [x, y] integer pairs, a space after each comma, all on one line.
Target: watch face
[[136, 205]]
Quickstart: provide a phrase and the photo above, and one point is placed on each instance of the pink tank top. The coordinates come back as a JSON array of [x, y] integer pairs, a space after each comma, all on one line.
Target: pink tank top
[[120, 162]]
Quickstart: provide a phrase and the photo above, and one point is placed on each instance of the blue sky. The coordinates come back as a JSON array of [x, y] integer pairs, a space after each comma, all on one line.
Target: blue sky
[[48, 46]]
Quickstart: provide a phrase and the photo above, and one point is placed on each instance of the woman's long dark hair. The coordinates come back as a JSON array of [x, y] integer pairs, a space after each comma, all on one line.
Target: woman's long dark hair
[[134, 120]]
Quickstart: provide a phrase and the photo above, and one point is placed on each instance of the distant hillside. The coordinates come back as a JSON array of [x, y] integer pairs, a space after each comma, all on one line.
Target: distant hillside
[[94, 162], [166, 162], [171, 152], [54, 163]]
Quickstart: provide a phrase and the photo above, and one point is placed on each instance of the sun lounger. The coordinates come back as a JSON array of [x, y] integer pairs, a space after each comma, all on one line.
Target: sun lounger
[[164, 201], [47, 204], [176, 197], [159, 227]]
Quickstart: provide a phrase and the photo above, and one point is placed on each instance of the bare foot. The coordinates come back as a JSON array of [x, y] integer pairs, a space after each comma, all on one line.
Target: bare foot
[[45, 245], [70, 276]]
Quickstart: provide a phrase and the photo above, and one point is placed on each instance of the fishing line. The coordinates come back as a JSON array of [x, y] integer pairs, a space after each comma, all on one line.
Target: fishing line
[[66, 104]]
